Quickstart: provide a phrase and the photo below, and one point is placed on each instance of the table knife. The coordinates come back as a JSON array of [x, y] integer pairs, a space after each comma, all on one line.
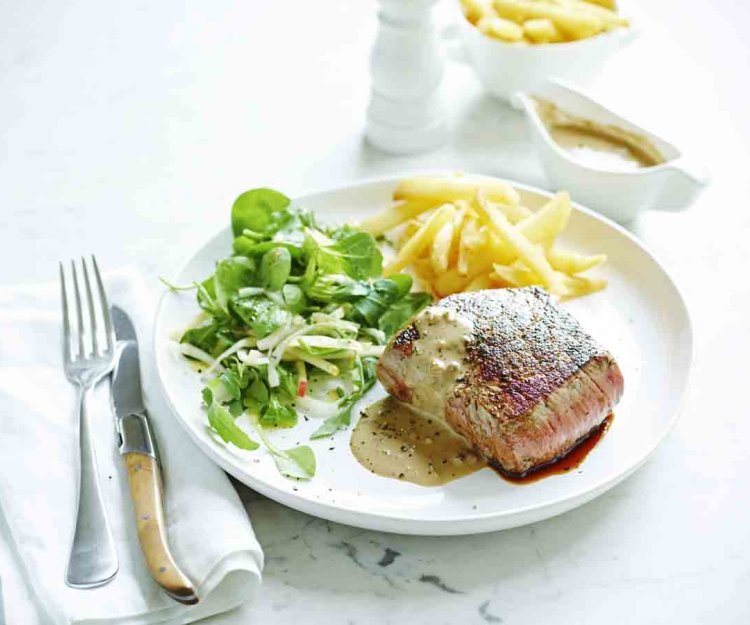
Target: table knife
[[138, 449]]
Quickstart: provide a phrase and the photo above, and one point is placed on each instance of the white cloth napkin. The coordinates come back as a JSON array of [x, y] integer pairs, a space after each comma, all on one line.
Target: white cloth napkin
[[209, 531]]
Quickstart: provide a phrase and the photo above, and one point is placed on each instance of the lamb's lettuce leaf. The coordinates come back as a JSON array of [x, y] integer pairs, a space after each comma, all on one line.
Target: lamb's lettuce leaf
[[261, 211], [343, 418], [356, 255], [382, 295], [297, 462], [206, 337], [260, 314], [223, 424], [231, 275], [402, 311], [246, 246], [276, 414]]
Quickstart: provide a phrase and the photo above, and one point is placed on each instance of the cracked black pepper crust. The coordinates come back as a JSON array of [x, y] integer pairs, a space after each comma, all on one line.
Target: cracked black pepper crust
[[521, 348]]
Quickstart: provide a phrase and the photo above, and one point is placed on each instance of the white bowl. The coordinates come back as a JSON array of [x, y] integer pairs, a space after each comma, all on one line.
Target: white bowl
[[620, 195], [504, 68]]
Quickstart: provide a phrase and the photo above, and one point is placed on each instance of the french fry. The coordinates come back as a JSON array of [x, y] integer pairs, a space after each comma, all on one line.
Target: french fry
[[514, 212], [437, 191], [478, 261], [607, 4], [421, 239], [500, 28], [449, 282], [549, 221], [498, 251], [441, 247], [469, 240], [542, 30], [610, 19], [515, 276], [463, 211], [393, 216], [475, 10], [514, 11], [577, 286], [571, 263], [528, 253], [568, 286], [423, 269], [408, 231], [481, 282], [571, 23]]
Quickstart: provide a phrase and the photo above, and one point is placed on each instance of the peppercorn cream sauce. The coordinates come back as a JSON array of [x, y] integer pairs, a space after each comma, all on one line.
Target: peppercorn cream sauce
[[411, 442], [598, 145], [392, 440], [437, 360]]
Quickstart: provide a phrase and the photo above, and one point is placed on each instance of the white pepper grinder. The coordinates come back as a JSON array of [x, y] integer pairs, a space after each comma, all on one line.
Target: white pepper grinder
[[406, 114]]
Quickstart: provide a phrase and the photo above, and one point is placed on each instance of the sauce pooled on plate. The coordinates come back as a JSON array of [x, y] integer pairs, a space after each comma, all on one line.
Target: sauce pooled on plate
[[392, 440]]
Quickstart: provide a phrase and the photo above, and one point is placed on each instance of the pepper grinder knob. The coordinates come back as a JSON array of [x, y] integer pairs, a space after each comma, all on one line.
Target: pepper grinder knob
[[406, 114]]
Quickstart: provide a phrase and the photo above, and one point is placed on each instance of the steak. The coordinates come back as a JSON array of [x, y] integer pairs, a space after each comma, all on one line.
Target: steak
[[508, 370]]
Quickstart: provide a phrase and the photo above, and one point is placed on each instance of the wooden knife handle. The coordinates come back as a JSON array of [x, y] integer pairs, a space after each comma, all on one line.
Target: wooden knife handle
[[146, 491]]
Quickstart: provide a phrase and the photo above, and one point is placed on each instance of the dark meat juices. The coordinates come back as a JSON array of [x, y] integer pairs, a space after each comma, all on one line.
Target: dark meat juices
[[392, 440]]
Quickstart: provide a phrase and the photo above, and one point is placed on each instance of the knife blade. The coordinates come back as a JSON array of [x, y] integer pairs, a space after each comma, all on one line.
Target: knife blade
[[131, 419], [138, 448], [127, 397]]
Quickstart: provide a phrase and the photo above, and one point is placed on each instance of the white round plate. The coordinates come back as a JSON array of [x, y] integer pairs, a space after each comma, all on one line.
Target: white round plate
[[641, 318]]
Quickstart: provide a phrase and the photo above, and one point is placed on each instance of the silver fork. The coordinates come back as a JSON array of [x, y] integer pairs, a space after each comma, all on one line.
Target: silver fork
[[88, 358]]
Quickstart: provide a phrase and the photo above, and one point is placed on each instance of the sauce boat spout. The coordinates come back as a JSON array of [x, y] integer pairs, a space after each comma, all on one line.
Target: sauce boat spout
[[683, 183]]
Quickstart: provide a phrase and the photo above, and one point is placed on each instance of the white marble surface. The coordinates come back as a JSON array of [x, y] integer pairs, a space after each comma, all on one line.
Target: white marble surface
[[127, 129]]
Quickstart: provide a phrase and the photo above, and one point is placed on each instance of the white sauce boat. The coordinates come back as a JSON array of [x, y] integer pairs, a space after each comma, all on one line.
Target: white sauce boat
[[621, 195]]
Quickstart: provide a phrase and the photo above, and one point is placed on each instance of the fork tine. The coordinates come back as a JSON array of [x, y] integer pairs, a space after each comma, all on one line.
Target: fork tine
[[67, 355], [90, 300], [79, 314], [109, 330]]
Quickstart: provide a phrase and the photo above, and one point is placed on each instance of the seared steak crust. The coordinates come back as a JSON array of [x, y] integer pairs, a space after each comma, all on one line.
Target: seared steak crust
[[535, 383]]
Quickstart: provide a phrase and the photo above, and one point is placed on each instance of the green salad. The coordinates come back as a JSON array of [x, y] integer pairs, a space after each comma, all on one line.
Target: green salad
[[292, 324]]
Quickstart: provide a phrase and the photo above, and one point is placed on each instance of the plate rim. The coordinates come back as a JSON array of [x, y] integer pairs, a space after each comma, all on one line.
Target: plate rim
[[478, 522]]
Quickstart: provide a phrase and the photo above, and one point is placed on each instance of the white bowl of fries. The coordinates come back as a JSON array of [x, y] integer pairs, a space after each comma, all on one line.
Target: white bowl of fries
[[516, 45]]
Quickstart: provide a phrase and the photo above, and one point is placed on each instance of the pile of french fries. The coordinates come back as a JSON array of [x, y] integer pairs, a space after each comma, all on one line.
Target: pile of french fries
[[543, 21], [467, 233]]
